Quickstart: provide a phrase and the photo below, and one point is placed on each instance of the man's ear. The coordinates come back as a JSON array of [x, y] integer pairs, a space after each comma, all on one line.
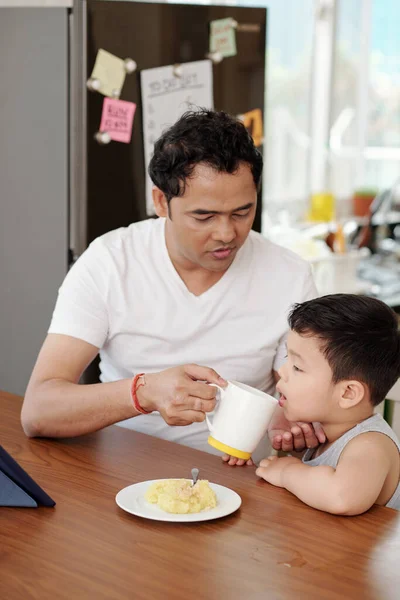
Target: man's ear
[[351, 393], [160, 202]]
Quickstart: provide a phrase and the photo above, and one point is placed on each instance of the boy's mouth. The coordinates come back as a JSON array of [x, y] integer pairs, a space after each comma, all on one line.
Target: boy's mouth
[[282, 400]]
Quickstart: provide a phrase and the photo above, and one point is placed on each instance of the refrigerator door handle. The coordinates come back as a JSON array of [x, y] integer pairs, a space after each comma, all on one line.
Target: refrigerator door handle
[[77, 130]]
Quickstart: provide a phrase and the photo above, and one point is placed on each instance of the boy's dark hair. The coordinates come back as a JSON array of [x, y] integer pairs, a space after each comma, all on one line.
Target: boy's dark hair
[[359, 335], [202, 136]]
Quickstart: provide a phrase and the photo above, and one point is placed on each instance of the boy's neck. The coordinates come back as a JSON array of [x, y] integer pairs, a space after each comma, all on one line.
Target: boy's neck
[[334, 431]]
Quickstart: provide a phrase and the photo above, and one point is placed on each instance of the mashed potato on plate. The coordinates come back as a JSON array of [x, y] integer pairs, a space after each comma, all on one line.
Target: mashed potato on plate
[[179, 496]]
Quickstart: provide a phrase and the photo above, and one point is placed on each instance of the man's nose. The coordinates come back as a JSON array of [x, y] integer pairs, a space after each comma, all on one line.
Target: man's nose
[[225, 232]]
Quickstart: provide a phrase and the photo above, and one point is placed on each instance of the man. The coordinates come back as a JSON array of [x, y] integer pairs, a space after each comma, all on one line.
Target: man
[[163, 297]]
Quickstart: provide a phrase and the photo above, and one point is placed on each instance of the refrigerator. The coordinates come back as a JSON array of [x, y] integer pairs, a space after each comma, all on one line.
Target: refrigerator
[[155, 35]]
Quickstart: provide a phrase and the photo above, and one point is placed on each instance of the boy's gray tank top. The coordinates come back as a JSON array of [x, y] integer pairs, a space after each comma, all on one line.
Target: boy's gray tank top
[[331, 456]]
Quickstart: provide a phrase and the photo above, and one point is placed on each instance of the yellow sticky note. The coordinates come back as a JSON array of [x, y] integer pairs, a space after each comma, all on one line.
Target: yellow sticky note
[[253, 122], [109, 70], [223, 37]]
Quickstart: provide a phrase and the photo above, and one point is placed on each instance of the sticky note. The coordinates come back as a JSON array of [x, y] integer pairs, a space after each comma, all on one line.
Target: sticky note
[[117, 119], [223, 37], [110, 72], [253, 122]]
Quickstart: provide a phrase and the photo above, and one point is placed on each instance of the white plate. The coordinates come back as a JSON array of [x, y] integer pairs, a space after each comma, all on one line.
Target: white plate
[[132, 500]]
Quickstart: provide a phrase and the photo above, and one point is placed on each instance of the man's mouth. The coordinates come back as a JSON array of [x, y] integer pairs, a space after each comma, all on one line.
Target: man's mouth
[[222, 253]]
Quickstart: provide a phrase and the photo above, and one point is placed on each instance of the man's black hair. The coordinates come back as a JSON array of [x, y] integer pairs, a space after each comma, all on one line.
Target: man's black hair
[[202, 136]]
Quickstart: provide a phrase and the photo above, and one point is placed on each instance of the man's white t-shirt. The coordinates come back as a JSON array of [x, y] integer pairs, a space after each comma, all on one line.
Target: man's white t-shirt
[[124, 296]]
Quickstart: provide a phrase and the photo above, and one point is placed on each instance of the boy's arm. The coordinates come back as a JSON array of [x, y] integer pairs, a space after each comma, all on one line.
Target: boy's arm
[[350, 489]]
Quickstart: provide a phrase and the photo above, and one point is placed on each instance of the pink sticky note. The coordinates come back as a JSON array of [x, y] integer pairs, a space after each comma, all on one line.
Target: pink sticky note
[[117, 119]]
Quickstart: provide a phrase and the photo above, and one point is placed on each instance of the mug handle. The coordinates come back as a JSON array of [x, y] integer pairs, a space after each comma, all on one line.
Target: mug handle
[[208, 420]]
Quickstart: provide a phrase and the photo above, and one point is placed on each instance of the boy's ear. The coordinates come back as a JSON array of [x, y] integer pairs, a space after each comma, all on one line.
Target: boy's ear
[[160, 202], [351, 393]]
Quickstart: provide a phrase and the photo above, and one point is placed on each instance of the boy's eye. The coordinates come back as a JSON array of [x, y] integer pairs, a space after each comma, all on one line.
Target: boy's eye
[[296, 369]]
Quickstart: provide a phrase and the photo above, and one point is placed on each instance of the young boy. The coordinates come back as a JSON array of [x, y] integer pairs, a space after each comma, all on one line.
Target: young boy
[[343, 358]]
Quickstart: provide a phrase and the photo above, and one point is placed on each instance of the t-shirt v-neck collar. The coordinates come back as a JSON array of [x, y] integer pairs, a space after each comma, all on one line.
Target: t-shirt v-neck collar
[[215, 289]]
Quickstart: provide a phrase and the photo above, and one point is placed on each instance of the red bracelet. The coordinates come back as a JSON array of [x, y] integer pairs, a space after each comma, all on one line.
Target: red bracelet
[[134, 389]]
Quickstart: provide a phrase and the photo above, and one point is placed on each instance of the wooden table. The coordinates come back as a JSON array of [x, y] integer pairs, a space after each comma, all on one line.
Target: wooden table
[[274, 547]]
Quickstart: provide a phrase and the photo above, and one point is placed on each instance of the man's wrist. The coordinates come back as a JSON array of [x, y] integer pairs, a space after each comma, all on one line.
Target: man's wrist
[[142, 393]]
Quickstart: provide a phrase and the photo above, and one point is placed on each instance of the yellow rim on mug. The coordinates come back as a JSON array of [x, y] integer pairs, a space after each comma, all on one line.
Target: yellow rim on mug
[[228, 450]]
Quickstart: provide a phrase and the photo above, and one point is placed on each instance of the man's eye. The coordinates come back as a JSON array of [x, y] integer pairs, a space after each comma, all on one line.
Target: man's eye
[[242, 214], [203, 219]]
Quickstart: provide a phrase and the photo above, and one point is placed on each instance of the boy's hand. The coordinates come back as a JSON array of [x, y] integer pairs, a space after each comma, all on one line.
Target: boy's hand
[[238, 462], [288, 437], [271, 469]]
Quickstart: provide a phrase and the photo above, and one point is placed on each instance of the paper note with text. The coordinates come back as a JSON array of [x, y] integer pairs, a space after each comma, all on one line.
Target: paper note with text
[[117, 119], [165, 97], [223, 37]]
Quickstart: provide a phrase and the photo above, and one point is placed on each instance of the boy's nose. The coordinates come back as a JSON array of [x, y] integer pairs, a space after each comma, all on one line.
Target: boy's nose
[[282, 371]]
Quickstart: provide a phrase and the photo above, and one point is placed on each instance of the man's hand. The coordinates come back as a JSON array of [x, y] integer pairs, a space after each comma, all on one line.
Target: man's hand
[[288, 437], [238, 462], [272, 468], [180, 394]]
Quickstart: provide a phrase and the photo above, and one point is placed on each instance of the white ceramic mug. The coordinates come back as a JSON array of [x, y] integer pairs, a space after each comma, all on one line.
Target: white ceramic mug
[[240, 419]]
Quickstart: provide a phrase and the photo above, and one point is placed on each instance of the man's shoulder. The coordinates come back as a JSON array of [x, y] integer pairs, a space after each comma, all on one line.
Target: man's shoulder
[[136, 234], [276, 256]]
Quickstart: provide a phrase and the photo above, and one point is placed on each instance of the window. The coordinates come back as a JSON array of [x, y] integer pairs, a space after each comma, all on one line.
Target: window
[[365, 125]]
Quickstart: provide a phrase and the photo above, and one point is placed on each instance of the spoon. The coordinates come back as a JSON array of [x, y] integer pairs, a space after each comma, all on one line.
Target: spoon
[[195, 475]]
